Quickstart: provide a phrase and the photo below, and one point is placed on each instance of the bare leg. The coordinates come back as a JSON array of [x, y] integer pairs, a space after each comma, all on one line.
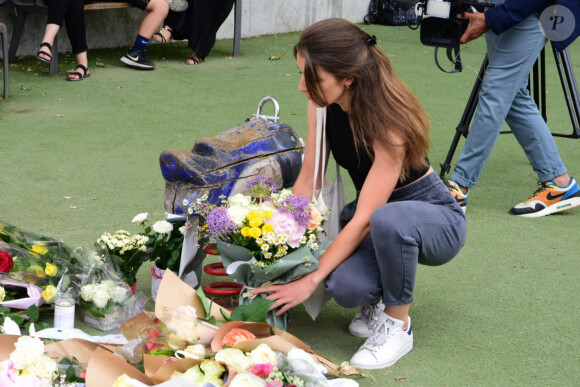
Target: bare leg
[[400, 312], [49, 34], [157, 12]]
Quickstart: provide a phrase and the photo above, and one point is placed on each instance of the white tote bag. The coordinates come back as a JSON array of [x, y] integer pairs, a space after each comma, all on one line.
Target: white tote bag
[[329, 196]]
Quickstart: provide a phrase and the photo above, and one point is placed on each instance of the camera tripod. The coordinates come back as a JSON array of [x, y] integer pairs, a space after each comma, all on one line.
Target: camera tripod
[[537, 87]]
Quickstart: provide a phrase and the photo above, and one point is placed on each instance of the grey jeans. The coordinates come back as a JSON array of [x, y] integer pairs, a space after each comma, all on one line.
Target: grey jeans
[[421, 223]]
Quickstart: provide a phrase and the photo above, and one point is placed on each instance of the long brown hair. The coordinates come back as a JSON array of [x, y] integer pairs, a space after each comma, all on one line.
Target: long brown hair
[[379, 100]]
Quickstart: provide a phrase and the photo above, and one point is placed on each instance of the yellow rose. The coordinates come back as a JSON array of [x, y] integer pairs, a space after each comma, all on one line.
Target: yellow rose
[[245, 231], [49, 293], [50, 269], [39, 248], [267, 214], [267, 228], [252, 214], [256, 222], [255, 232]]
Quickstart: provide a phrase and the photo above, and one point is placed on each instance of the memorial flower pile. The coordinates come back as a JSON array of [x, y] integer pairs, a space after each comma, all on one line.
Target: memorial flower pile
[[264, 236]]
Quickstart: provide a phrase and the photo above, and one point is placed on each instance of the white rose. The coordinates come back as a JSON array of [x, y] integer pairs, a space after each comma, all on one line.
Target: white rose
[[140, 218], [162, 227], [197, 351], [234, 358], [263, 354], [239, 200], [106, 284], [237, 214], [101, 297], [88, 292], [118, 294], [246, 379], [28, 350], [44, 367], [2, 293]]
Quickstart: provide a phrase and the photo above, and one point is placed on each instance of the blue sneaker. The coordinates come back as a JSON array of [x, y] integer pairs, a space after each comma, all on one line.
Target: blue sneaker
[[549, 199]]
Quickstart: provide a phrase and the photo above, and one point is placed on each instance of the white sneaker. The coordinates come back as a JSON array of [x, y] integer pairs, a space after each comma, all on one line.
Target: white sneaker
[[365, 321], [388, 344]]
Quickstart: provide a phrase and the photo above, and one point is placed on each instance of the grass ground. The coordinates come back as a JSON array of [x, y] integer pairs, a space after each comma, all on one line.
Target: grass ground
[[79, 159]]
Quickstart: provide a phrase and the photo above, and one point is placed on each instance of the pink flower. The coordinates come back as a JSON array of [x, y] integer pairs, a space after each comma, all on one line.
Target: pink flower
[[285, 224], [262, 370]]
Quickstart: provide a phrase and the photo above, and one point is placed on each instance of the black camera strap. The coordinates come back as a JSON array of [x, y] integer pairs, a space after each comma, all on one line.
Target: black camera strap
[[453, 56]]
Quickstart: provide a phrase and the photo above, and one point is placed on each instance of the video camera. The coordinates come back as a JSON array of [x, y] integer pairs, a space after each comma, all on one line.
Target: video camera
[[440, 26]]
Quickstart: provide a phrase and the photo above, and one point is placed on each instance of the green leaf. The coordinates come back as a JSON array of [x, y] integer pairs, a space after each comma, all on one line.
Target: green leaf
[[256, 311], [17, 319], [4, 310], [32, 313], [204, 301]]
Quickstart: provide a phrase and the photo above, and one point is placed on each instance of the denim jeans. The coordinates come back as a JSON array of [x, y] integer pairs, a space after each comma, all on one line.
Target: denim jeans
[[421, 223], [504, 97]]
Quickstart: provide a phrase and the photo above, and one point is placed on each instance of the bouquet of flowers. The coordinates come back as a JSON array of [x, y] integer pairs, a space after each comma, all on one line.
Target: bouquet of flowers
[[264, 237], [28, 365], [107, 300], [160, 242], [34, 259]]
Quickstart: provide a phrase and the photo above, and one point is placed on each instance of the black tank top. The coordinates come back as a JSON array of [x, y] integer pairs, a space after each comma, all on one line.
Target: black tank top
[[341, 141]]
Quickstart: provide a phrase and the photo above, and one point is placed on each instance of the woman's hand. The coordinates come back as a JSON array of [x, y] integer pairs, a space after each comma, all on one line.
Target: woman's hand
[[290, 294]]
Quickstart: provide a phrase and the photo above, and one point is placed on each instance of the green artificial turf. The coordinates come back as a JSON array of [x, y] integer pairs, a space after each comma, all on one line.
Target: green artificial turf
[[79, 159]]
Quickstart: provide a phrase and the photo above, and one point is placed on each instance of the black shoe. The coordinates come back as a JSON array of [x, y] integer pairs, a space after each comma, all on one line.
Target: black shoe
[[137, 60]]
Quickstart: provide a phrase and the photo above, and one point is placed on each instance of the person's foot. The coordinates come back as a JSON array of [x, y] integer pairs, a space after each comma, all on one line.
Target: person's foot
[[164, 35], [549, 199], [137, 60], [193, 60], [457, 193], [78, 75], [388, 344], [365, 321], [45, 55]]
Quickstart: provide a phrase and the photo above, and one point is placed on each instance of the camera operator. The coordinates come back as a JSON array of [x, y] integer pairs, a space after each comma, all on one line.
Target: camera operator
[[514, 40]]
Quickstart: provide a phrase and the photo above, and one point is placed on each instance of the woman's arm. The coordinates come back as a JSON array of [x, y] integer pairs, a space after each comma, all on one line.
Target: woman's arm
[[378, 186], [305, 182]]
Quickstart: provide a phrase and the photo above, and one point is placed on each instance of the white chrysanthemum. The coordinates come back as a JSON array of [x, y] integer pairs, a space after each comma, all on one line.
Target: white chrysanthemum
[[264, 247], [302, 240], [101, 297], [140, 218], [88, 292], [118, 294], [162, 227], [267, 255]]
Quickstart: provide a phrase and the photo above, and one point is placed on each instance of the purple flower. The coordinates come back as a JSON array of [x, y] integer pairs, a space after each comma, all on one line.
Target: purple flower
[[219, 223], [262, 187], [297, 206]]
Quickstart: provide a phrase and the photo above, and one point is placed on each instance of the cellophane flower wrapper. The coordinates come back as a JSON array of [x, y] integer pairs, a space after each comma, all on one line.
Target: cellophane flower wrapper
[[107, 300], [239, 264], [49, 264]]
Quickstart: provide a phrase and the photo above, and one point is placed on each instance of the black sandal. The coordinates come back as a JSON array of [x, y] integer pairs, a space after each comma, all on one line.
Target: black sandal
[[81, 76], [195, 59], [48, 54], [162, 39]]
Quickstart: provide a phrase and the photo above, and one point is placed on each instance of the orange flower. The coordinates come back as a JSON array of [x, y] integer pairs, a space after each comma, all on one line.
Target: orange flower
[[315, 218], [235, 336]]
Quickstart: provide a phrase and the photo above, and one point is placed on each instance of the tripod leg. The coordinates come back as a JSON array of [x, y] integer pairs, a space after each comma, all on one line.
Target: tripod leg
[[570, 87], [463, 126]]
